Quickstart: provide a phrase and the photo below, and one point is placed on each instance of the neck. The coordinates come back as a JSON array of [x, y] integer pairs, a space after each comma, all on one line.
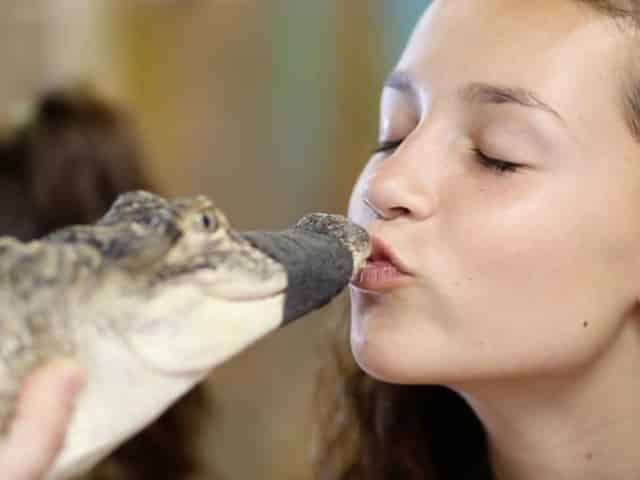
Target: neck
[[585, 424]]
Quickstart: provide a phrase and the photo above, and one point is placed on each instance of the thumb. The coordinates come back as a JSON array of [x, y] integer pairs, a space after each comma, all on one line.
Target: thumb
[[43, 412]]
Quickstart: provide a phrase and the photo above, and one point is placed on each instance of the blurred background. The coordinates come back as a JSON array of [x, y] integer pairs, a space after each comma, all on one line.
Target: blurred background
[[267, 106]]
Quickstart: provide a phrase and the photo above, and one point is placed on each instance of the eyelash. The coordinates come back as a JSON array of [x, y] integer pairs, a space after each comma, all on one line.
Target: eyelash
[[500, 166]]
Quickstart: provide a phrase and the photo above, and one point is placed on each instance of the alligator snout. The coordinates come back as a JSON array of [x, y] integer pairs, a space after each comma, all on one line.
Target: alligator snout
[[321, 254]]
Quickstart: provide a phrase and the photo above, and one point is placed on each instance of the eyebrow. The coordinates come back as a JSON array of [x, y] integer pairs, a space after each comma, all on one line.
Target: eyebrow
[[477, 92]]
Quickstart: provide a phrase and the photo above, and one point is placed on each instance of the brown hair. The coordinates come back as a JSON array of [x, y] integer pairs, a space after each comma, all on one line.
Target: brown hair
[[65, 164], [370, 430], [626, 13]]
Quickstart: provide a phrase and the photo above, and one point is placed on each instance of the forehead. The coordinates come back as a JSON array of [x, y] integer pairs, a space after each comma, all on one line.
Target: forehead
[[566, 52]]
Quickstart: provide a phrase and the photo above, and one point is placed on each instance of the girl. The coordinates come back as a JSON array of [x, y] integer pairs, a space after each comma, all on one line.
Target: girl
[[499, 311]]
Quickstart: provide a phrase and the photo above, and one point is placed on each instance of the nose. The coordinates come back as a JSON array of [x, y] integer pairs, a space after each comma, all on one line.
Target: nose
[[397, 187]]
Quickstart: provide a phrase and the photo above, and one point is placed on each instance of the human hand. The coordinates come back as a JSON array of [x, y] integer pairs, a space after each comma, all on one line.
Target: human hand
[[38, 430]]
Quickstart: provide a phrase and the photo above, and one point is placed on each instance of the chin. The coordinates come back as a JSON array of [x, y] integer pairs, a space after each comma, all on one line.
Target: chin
[[378, 349], [386, 360], [369, 360], [410, 359], [395, 345]]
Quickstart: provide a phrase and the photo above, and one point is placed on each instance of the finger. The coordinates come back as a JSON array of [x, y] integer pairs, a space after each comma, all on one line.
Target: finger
[[43, 413]]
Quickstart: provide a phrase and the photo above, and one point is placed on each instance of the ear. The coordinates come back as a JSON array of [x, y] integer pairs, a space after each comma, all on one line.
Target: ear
[[184, 332]]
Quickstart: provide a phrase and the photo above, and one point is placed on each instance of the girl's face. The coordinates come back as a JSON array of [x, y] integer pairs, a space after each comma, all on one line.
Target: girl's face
[[508, 193]]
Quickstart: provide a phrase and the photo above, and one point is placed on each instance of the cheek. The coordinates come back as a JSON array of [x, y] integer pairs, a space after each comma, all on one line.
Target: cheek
[[543, 287], [503, 292]]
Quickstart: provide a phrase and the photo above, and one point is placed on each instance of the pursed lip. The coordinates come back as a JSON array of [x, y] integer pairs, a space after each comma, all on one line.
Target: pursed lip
[[381, 251], [383, 270]]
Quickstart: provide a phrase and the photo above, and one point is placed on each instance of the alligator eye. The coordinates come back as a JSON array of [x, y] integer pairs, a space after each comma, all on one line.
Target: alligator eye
[[208, 222]]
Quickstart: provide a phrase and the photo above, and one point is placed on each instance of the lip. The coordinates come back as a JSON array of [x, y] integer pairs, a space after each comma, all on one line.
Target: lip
[[383, 270]]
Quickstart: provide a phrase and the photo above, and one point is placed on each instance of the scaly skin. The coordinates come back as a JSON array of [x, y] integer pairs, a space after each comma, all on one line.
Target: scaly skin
[[149, 300]]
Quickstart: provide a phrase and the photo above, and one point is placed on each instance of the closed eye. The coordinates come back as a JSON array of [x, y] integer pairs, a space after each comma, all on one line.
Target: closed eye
[[495, 164], [500, 166]]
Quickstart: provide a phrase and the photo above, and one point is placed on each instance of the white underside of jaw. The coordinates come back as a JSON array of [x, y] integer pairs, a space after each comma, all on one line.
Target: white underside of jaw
[[226, 286], [154, 357], [121, 396], [186, 331]]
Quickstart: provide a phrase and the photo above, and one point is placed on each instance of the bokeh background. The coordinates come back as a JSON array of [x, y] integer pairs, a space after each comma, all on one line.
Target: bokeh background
[[267, 106]]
